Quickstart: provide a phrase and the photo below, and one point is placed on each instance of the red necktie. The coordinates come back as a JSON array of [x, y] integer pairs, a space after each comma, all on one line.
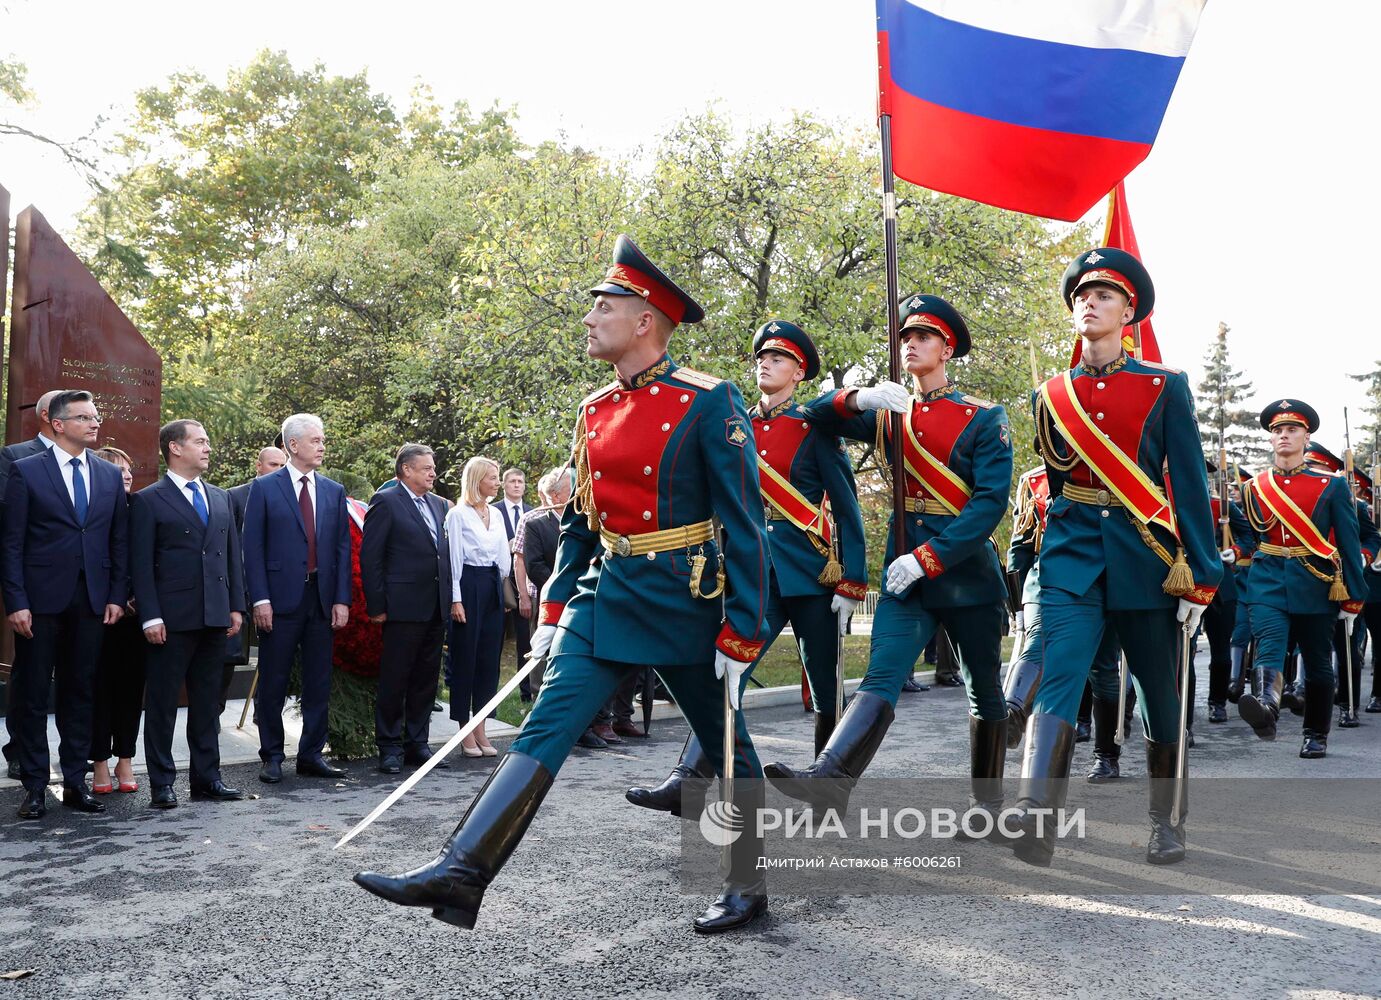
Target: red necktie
[[304, 504]]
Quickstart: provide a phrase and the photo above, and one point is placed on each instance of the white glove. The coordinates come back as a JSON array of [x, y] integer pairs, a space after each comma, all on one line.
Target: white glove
[[541, 641], [1189, 614], [1019, 622], [903, 573], [1228, 556], [736, 669], [1349, 619], [884, 396], [843, 608], [1376, 564]]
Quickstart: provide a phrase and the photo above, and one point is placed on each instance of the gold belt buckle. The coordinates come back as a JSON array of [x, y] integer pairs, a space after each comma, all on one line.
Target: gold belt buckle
[[1103, 497], [622, 546]]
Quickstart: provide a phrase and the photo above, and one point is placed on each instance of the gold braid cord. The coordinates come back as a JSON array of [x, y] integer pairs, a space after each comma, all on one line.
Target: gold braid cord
[[1047, 435], [584, 496], [833, 571]]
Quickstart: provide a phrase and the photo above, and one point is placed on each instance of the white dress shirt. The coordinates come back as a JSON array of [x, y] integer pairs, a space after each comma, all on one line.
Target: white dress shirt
[[472, 544], [297, 475], [45, 440], [65, 466]]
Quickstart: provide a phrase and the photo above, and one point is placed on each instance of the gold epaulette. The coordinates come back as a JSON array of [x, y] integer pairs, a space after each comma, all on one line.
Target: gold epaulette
[[986, 404], [1165, 368], [698, 379], [604, 391]]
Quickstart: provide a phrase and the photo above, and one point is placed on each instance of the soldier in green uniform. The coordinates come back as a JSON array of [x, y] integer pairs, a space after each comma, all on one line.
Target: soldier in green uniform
[[819, 570], [1109, 429], [639, 579], [958, 472]]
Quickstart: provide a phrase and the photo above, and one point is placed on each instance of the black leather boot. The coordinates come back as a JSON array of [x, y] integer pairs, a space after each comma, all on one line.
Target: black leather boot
[[1019, 691], [744, 896], [690, 777], [1315, 745], [1044, 783], [824, 729], [1318, 712], [987, 761], [827, 783], [1292, 697], [1262, 713], [1374, 705], [1107, 755], [453, 885], [1237, 680], [1166, 845]]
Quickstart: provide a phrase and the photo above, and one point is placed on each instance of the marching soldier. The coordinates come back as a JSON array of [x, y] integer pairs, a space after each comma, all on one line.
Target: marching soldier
[[958, 472], [1108, 429], [1308, 564], [1236, 542], [639, 579], [1320, 458], [813, 589]]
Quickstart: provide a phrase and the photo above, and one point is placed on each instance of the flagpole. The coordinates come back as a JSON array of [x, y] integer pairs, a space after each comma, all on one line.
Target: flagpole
[[894, 369]]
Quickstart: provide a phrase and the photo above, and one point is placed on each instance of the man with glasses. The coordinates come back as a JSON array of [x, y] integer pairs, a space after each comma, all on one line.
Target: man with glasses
[[63, 571]]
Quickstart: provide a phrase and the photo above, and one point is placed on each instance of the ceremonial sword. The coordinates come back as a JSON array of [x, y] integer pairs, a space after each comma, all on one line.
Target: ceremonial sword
[[1182, 751]]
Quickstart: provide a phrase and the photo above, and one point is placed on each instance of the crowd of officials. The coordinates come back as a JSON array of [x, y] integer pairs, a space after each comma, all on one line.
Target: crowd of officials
[[120, 600]]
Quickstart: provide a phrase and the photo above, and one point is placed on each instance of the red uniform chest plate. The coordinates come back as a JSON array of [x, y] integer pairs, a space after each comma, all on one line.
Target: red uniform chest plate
[[627, 432], [1040, 493], [1119, 405], [779, 440], [937, 425], [1305, 490]]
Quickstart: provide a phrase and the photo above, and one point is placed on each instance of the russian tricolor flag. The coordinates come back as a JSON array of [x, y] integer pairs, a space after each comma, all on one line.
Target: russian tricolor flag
[[1039, 106]]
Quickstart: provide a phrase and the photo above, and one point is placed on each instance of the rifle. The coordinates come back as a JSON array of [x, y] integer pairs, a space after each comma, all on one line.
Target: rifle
[[1224, 524]]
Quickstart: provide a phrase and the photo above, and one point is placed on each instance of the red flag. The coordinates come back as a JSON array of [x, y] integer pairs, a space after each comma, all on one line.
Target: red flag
[[1118, 234]]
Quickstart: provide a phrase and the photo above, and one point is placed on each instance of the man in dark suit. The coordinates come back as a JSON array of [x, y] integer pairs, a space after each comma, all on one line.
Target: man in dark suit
[[10, 454], [190, 591], [513, 509], [64, 553], [297, 565], [270, 459], [405, 568]]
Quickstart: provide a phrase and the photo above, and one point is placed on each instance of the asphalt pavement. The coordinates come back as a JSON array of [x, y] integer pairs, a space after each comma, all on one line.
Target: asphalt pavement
[[249, 900]]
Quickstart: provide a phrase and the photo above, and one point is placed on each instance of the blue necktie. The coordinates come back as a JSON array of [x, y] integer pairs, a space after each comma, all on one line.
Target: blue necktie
[[426, 519], [199, 503], [79, 490]]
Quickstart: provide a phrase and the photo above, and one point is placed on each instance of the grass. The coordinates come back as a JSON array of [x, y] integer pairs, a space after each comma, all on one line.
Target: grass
[[781, 666]]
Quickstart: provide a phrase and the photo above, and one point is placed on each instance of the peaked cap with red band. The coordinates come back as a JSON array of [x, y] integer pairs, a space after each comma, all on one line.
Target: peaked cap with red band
[[930, 312], [1317, 454], [1290, 411], [1115, 268], [633, 274], [789, 339]]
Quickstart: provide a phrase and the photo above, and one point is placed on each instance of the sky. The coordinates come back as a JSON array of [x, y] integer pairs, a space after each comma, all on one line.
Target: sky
[[1256, 199]]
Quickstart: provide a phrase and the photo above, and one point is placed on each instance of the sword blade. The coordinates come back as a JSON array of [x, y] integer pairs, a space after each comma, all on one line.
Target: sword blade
[[1182, 751], [440, 755], [1117, 735]]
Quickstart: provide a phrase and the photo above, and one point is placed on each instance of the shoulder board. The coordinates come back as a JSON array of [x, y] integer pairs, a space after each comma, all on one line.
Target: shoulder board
[[603, 391], [975, 401], [692, 377], [1164, 368]]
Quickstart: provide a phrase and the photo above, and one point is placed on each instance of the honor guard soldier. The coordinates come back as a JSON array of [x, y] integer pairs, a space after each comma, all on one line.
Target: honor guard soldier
[[819, 570], [958, 474], [1108, 430], [660, 454], [1308, 564], [1236, 541], [1320, 458]]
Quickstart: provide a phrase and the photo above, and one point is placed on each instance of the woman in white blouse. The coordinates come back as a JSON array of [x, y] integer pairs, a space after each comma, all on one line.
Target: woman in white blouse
[[480, 559]]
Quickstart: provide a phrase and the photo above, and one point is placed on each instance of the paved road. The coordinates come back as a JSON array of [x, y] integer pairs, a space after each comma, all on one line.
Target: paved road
[[249, 900]]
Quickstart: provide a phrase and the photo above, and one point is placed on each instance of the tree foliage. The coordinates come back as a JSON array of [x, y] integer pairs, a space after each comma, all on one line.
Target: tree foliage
[[290, 241], [1222, 413]]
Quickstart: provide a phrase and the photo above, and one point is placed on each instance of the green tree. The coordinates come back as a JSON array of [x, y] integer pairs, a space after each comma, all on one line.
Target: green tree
[[1223, 417]]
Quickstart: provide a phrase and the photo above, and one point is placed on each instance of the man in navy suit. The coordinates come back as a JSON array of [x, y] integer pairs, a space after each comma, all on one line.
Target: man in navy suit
[[10, 454], [405, 567], [297, 565], [270, 459], [190, 591], [513, 508], [64, 554]]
